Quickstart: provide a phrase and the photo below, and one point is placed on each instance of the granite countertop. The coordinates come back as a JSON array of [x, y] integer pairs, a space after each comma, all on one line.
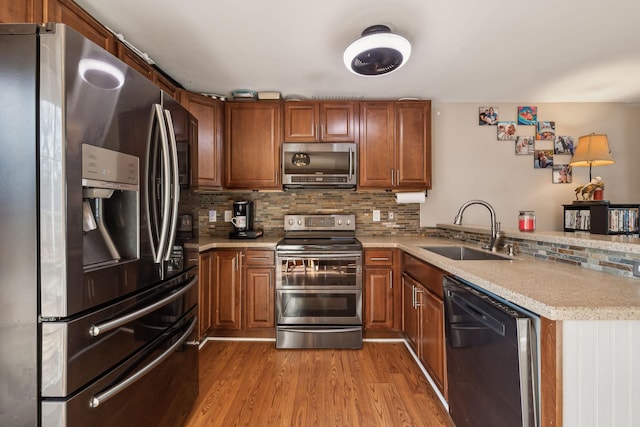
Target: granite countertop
[[554, 290]]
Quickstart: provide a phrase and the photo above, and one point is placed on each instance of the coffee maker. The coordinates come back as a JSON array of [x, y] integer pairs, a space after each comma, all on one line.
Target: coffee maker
[[242, 221]]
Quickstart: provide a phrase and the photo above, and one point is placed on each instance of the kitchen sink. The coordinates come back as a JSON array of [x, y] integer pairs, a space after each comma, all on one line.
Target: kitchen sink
[[465, 253]]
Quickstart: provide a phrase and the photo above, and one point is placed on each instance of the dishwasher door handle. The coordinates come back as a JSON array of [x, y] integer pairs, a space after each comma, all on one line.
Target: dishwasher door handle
[[477, 313]]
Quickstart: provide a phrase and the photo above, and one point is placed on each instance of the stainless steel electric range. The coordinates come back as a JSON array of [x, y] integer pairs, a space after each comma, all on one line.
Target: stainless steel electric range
[[319, 283]]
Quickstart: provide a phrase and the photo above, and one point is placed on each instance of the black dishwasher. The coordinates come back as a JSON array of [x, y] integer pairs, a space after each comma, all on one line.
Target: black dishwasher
[[491, 359]]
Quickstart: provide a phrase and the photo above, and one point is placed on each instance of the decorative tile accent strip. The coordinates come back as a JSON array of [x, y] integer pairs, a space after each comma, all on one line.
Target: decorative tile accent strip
[[612, 262]]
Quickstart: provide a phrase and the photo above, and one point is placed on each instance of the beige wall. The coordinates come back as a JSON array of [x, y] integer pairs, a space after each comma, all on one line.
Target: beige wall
[[470, 163]]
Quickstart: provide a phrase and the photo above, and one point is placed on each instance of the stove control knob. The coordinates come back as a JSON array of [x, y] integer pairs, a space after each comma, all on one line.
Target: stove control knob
[[290, 221], [299, 222], [348, 222], [339, 222]]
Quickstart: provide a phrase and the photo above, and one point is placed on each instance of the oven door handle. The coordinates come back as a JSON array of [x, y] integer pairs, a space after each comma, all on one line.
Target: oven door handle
[[100, 398], [320, 331], [284, 255], [109, 325]]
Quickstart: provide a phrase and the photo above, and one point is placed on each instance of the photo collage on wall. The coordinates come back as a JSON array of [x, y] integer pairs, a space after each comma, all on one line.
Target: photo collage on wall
[[549, 151]]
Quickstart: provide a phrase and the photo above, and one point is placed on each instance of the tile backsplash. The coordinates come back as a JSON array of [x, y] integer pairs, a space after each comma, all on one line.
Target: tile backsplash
[[272, 206]]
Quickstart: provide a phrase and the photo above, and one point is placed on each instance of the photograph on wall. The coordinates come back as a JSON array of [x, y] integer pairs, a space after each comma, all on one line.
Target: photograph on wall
[[507, 131], [542, 159], [561, 174], [546, 130], [488, 116], [563, 145], [527, 115], [524, 145]]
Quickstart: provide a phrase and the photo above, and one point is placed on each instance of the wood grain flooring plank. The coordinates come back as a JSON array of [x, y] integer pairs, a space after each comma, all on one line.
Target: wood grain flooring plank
[[250, 383]]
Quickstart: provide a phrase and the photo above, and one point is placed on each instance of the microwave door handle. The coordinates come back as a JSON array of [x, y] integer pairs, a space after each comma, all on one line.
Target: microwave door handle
[[175, 187], [351, 162], [166, 187]]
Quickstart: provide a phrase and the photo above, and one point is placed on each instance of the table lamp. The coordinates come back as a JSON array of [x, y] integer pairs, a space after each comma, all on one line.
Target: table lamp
[[592, 150]]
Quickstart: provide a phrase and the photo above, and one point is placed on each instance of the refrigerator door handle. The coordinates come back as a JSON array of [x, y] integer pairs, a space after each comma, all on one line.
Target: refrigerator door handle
[[159, 253], [175, 185], [100, 398]]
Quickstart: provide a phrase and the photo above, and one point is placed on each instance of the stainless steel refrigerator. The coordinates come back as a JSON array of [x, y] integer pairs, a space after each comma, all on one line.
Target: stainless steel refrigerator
[[97, 311]]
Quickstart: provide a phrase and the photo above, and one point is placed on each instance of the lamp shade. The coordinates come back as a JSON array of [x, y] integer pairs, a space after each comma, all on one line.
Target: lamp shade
[[592, 150]]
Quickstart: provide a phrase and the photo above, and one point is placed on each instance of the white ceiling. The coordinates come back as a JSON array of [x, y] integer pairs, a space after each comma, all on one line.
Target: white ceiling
[[463, 50]]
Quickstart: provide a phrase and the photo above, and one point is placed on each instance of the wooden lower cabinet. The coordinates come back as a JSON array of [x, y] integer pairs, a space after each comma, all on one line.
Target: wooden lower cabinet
[[237, 291], [381, 305], [260, 290], [423, 317], [205, 270], [227, 289]]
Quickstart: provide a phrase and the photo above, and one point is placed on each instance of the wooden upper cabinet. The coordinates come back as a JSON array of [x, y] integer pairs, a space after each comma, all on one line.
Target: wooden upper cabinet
[[413, 144], [133, 60], [206, 153], [252, 140], [395, 145], [166, 85], [21, 11], [311, 121], [67, 12], [376, 168]]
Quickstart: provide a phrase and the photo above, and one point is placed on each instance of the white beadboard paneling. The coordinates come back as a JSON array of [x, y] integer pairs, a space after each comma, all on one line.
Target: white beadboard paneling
[[601, 374]]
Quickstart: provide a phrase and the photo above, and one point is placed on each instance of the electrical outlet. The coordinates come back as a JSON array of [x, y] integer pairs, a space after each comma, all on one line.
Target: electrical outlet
[[212, 216], [392, 216], [636, 268], [227, 216], [376, 215]]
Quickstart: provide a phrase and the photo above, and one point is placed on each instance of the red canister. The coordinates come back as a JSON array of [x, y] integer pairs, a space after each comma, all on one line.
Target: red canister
[[527, 221]]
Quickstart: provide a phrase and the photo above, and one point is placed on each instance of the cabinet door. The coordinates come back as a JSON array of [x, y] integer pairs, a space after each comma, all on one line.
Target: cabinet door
[[67, 12], [300, 121], [378, 298], [432, 342], [410, 319], [252, 145], [132, 59], [376, 168], [205, 276], [338, 121], [227, 289], [206, 152], [259, 297], [27, 11], [413, 145]]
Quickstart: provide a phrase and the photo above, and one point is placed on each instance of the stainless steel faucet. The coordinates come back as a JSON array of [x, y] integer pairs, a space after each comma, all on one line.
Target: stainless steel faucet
[[495, 225]]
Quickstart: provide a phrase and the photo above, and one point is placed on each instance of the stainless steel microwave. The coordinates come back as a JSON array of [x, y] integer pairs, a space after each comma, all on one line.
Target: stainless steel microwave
[[319, 165]]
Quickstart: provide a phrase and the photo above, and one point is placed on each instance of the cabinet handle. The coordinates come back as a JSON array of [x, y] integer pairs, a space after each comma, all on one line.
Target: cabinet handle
[[393, 175], [391, 280], [379, 259], [413, 296], [418, 293]]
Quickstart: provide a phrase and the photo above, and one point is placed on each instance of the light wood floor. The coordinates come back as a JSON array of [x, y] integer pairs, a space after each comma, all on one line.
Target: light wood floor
[[252, 384]]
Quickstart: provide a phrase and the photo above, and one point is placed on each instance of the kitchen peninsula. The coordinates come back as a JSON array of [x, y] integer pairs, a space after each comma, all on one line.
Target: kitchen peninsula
[[589, 319]]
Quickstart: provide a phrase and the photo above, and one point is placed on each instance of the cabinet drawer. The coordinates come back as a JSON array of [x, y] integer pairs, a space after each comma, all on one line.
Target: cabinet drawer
[[427, 275], [259, 257], [375, 257]]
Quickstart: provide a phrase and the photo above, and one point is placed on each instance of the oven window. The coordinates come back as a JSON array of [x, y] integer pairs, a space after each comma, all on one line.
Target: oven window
[[319, 305], [319, 272]]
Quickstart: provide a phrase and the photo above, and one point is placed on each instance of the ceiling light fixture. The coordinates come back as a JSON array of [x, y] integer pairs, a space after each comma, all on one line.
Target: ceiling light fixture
[[377, 52]]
